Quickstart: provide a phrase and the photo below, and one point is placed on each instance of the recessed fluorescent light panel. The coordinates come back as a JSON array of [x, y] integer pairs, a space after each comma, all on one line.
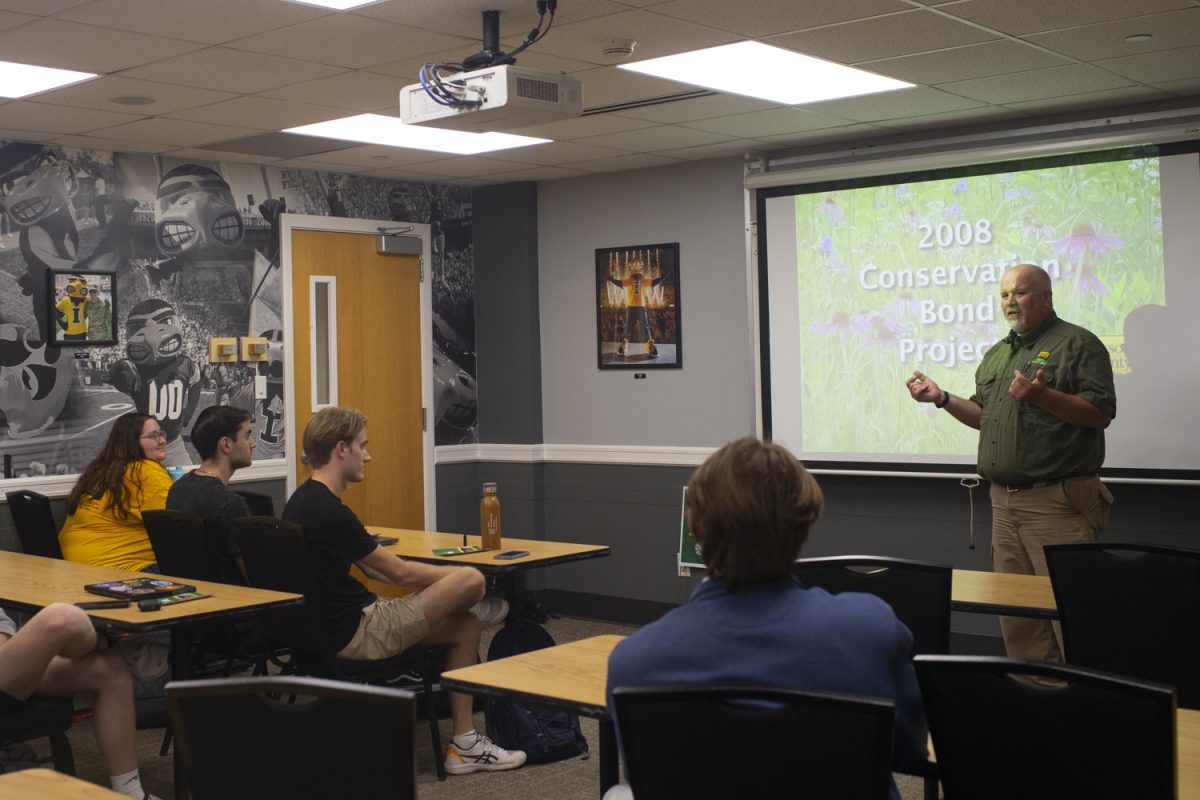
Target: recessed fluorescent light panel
[[22, 80], [380, 129], [336, 5], [770, 73]]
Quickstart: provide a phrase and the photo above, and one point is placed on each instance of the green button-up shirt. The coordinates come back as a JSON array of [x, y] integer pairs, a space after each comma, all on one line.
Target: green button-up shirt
[[1020, 443]]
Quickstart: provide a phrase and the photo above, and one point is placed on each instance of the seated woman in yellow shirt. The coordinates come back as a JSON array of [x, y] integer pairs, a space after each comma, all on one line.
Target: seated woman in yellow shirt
[[104, 510]]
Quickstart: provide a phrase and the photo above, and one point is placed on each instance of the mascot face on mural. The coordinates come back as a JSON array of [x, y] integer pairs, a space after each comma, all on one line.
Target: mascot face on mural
[[196, 212], [34, 382], [33, 195], [152, 332]]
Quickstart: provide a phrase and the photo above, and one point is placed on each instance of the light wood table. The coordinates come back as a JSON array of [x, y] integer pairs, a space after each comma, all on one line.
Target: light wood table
[[419, 546], [38, 784], [1002, 593], [570, 676], [32, 582], [573, 676]]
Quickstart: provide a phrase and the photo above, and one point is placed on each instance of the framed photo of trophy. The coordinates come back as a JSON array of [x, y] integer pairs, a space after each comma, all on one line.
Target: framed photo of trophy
[[637, 307], [83, 307]]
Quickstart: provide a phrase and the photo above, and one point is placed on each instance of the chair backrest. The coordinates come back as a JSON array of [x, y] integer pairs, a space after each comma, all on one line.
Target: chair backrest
[[753, 742], [184, 547], [261, 505], [1099, 736], [276, 557], [1131, 609], [242, 738], [919, 592], [35, 523]]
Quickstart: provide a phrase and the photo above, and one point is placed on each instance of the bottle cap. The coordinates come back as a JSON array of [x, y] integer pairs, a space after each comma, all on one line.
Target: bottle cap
[[489, 487]]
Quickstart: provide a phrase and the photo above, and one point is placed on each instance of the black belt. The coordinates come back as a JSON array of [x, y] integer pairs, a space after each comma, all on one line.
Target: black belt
[[1017, 487]]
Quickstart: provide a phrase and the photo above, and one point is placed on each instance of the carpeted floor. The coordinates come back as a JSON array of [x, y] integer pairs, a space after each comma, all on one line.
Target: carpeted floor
[[574, 779]]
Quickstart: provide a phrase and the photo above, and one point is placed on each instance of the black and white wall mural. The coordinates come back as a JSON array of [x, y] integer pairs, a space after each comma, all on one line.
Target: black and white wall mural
[[193, 248]]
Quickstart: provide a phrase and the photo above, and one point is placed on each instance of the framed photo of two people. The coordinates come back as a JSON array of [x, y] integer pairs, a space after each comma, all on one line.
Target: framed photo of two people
[[83, 306]]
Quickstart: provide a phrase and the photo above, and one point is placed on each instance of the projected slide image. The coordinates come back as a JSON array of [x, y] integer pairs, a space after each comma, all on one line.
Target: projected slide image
[[891, 279]]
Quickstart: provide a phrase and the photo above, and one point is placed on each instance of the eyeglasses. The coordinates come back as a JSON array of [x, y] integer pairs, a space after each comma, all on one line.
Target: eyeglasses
[[157, 436]]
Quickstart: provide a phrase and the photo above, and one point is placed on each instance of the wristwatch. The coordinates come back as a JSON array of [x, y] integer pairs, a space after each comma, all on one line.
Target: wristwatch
[[945, 399]]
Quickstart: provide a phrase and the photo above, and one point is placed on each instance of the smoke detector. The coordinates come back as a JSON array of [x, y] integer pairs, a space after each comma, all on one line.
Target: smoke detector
[[618, 49]]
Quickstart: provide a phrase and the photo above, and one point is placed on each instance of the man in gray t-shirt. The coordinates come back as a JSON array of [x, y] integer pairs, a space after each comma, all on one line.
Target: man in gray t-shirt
[[224, 439]]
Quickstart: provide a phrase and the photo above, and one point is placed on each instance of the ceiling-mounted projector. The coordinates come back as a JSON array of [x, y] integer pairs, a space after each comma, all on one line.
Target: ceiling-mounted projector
[[500, 98]]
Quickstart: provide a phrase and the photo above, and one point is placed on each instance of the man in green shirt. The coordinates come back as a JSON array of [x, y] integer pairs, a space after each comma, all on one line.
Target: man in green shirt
[[1043, 397]]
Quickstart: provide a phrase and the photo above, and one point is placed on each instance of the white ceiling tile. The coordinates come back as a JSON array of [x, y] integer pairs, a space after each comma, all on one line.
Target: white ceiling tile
[[1037, 84], [1167, 65], [10, 20], [882, 37], [43, 8], [357, 91], [623, 163], [538, 174], [1184, 88], [58, 119], [605, 86], [467, 167], [983, 115], [714, 105], [579, 127], [656, 35], [555, 153], [180, 133], [103, 144], [465, 17], [208, 22], [738, 147], [402, 174], [264, 113], [660, 137], [764, 17], [893, 105], [97, 94], [831, 136], [961, 63], [14, 135], [235, 71], [1083, 101], [346, 40], [375, 156], [69, 45], [1169, 30], [1020, 17], [767, 123], [223, 156]]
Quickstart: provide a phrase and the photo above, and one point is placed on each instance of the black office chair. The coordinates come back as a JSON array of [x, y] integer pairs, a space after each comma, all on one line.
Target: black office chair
[[260, 505], [276, 558], [241, 738], [35, 523], [737, 741], [1100, 736], [919, 592], [1131, 609], [41, 716], [184, 547]]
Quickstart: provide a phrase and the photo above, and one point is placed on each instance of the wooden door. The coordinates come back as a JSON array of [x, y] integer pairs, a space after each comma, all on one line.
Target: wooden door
[[378, 365]]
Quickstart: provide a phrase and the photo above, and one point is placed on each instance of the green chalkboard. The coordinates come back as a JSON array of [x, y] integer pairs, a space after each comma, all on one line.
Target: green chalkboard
[[689, 548]]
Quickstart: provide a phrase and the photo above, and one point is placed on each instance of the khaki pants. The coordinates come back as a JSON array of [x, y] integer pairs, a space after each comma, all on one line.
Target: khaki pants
[[388, 627], [1023, 522]]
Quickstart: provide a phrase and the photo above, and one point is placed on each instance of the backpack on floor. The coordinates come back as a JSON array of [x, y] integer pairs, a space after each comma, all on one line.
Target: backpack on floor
[[545, 734]]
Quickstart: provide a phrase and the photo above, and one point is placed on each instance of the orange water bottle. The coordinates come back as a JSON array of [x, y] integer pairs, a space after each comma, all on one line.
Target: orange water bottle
[[489, 517]]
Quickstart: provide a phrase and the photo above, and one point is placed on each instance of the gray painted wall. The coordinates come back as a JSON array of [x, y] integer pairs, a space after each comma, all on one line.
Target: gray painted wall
[[707, 402]]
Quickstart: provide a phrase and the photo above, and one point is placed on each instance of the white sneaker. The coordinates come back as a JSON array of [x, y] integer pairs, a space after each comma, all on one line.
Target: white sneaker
[[491, 611], [484, 755]]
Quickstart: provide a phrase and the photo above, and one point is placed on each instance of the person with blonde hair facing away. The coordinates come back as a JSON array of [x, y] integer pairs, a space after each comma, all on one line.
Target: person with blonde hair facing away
[[104, 510], [751, 506], [447, 608], [55, 653]]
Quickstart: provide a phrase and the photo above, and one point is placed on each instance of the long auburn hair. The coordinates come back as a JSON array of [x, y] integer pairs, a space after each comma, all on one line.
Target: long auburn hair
[[106, 472]]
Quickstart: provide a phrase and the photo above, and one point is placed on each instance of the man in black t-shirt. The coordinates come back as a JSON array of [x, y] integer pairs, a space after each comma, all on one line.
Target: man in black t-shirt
[[448, 607], [224, 438]]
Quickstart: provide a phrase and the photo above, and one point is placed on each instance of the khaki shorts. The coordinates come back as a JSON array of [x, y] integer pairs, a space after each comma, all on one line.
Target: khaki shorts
[[389, 626]]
